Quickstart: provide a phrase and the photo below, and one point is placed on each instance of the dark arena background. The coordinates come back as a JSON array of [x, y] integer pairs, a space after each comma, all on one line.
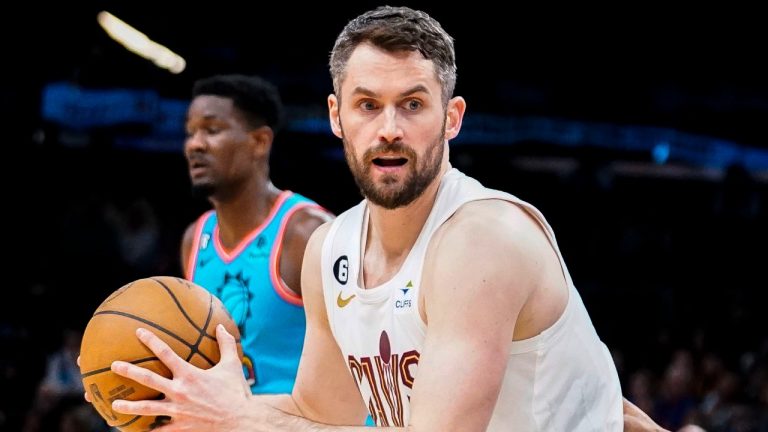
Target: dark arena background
[[640, 132]]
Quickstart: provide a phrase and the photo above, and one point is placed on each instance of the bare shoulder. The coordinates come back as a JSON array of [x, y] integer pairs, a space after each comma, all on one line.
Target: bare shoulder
[[494, 224], [312, 249], [490, 240], [299, 229], [310, 272], [316, 239], [305, 221], [491, 254]]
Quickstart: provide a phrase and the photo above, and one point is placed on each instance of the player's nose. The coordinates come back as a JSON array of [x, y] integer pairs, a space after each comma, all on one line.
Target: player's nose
[[390, 129]]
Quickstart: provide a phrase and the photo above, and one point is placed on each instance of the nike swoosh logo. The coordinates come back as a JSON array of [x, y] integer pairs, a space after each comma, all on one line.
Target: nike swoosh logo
[[342, 302]]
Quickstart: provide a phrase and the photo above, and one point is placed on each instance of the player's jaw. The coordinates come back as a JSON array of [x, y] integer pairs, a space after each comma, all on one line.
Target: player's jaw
[[392, 175], [201, 176], [386, 170]]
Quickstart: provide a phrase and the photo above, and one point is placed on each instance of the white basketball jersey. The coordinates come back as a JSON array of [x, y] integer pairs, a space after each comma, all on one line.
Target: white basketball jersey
[[563, 379]]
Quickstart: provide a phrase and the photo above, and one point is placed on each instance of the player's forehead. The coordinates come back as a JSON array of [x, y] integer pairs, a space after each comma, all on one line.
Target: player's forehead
[[210, 107], [374, 70]]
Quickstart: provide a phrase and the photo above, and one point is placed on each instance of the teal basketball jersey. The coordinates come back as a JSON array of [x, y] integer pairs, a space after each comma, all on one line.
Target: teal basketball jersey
[[268, 314]]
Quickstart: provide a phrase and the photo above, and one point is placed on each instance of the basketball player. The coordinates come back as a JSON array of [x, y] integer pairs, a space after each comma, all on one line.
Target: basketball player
[[248, 249], [436, 304]]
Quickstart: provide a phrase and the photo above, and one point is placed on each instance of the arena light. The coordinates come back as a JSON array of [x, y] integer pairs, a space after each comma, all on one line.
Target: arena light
[[138, 43]]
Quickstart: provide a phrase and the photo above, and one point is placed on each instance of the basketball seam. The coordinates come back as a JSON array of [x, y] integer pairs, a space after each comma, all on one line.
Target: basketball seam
[[118, 293], [202, 331], [150, 323], [129, 422], [178, 304], [195, 348], [106, 369]]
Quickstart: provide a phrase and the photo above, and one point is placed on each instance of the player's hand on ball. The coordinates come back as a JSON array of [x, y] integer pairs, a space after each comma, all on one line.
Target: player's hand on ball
[[195, 399]]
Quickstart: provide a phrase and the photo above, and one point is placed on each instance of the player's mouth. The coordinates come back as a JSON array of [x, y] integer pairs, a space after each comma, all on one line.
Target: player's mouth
[[197, 168], [389, 163]]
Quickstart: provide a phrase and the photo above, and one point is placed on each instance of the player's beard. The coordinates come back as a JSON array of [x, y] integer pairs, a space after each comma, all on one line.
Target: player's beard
[[203, 190], [388, 193]]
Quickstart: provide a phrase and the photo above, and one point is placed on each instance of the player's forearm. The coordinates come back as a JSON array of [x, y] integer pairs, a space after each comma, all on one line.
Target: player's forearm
[[287, 417], [286, 422], [283, 422], [283, 402]]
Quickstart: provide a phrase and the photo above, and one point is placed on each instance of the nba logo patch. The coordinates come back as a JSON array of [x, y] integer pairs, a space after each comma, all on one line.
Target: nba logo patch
[[204, 239]]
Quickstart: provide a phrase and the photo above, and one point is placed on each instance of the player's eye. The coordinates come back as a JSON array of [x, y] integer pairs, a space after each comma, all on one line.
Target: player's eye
[[413, 104], [367, 105]]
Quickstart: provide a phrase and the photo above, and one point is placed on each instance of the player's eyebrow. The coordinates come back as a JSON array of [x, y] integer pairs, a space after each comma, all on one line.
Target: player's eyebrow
[[418, 88]]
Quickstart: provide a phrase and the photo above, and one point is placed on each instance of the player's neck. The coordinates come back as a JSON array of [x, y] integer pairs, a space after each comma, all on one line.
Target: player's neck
[[245, 211], [392, 233]]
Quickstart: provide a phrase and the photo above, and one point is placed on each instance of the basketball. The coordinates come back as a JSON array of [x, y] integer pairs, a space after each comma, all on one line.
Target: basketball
[[182, 314]]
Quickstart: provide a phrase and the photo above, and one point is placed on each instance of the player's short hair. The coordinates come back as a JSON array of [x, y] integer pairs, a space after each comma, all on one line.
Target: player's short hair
[[257, 99], [397, 29]]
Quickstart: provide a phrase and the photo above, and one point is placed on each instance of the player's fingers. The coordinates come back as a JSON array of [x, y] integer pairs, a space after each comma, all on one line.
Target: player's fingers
[[140, 407], [169, 427], [174, 363], [142, 376], [227, 345], [78, 361], [87, 397]]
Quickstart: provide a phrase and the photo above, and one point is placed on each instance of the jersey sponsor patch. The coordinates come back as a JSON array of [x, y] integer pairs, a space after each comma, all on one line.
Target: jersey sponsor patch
[[403, 299]]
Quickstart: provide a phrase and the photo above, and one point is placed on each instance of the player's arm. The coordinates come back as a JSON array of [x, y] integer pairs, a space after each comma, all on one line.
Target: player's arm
[[299, 229], [218, 399], [186, 247], [324, 390], [481, 268]]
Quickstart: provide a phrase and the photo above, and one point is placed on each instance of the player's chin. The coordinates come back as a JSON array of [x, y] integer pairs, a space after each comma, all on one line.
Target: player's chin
[[202, 189]]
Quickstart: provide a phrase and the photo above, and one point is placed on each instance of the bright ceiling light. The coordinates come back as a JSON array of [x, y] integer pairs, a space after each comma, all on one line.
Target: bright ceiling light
[[138, 43]]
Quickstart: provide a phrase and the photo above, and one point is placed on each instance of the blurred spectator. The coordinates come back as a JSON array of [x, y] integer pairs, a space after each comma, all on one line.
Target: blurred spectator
[[62, 375], [711, 370], [677, 402], [60, 386], [82, 418], [642, 390]]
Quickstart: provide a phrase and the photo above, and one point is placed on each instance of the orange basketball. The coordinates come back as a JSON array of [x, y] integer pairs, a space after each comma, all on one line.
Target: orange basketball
[[182, 314]]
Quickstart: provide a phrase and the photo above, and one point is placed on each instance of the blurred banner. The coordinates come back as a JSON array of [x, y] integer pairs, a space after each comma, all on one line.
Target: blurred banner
[[138, 118], [75, 107]]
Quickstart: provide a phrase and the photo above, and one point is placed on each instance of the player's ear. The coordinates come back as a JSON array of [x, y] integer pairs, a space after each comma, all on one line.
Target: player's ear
[[454, 115], [261, 140], [333, 114]]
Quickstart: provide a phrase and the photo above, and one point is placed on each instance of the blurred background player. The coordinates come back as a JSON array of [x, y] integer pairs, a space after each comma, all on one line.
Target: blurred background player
[[248, 249]]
